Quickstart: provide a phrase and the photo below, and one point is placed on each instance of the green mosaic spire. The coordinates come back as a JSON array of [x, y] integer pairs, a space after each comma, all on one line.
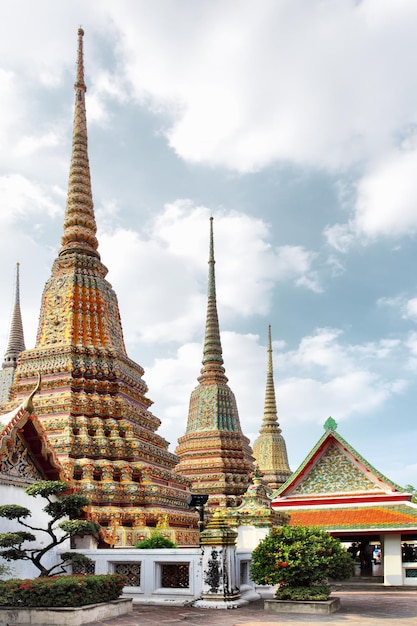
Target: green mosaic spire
[[212, 353], [214, 453]]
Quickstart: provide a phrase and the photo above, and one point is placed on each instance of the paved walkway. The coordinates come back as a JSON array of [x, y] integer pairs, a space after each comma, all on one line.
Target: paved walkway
[[381, 606]]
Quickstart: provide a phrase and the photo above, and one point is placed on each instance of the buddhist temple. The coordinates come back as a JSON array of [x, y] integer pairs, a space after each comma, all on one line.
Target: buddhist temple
[[336, 489], [269, 448], [93, 405], [214, 453], [16, 345]]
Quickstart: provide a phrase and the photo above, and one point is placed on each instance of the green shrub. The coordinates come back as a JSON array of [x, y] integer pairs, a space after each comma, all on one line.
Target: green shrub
[[156, 541], [58, 591], [316, 592], [299, 556]]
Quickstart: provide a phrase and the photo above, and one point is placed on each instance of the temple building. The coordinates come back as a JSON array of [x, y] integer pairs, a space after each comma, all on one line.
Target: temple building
[[16, 345], [269, 448], [92, 403], [336, 489], [214, 453]]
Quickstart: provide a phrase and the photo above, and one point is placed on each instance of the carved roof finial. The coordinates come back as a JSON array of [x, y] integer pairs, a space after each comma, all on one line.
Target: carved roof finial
[[79, 224], [330, 424], [28, 403]]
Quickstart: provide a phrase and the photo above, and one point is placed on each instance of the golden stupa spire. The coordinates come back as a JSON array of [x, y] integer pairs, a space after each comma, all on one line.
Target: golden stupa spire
[[269, 448], [16, 343], [212, 352], [93, 405], [270, 405], [79, 224]]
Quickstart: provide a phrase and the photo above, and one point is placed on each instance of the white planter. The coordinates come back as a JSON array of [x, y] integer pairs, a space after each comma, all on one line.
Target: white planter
[[317, 607], [65, 616]]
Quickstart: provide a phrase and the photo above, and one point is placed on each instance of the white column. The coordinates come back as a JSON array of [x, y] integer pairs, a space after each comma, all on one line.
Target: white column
[[392, 561]]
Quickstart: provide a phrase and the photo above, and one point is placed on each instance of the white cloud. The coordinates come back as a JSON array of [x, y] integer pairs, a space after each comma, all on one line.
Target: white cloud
[[406, 307], [340, 236], [261, 86], [353, 393], [385, 202], [170, 266], [21, 198], [323, 376], [315, 83], [410, 309], [387, 198], [28, 145]]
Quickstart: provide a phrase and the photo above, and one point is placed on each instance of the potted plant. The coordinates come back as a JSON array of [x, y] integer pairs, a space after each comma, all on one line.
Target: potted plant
[[300, 560]]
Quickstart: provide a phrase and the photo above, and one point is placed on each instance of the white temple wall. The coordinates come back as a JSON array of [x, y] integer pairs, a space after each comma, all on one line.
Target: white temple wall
[[149, 572]]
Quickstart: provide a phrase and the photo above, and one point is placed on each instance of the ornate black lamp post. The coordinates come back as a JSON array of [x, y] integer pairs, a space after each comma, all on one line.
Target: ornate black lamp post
[[197, 501]]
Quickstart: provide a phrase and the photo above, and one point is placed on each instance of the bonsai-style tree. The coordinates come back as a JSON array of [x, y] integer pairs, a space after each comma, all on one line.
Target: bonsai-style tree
[[63, 508], [300, 559]]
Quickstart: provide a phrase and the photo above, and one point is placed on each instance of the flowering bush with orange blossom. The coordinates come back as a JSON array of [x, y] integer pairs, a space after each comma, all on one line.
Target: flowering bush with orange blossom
[[296, 557]]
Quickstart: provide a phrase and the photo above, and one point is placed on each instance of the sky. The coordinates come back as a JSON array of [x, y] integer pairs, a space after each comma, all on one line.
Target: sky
[[294, 124]]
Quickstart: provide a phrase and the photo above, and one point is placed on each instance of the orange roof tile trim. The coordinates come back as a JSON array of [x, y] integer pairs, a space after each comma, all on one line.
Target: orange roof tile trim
[[354, 517]]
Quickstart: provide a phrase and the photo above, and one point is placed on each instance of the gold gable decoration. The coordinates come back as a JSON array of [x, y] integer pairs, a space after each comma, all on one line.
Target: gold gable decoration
[[17, 466]]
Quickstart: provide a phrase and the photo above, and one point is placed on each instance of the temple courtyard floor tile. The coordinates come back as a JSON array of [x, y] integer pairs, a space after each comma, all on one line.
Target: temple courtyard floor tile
[[366, 607]]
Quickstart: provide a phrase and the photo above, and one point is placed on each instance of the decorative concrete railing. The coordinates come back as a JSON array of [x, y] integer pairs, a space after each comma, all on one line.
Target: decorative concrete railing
[[169, 576]]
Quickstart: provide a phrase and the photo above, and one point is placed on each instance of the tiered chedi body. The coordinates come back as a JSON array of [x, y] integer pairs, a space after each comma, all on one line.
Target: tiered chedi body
[[269, 448], [15, 346], [93, 402], [214, 454]]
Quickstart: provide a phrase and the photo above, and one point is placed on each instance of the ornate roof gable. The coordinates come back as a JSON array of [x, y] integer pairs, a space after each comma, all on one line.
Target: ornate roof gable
[[25, 453], [334, 467]]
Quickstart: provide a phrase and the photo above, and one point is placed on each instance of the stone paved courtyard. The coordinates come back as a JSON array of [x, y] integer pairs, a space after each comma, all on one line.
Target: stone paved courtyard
[[380, 606]]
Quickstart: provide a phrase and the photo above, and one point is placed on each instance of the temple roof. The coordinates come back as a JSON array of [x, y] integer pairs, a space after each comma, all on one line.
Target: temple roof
[[339, 490], [335, 468], [400, 516], [25, 452]]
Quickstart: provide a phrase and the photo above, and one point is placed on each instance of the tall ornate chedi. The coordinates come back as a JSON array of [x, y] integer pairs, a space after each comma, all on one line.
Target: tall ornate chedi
[[214, 454], [93, 403], [15, 345], [269, 448]]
